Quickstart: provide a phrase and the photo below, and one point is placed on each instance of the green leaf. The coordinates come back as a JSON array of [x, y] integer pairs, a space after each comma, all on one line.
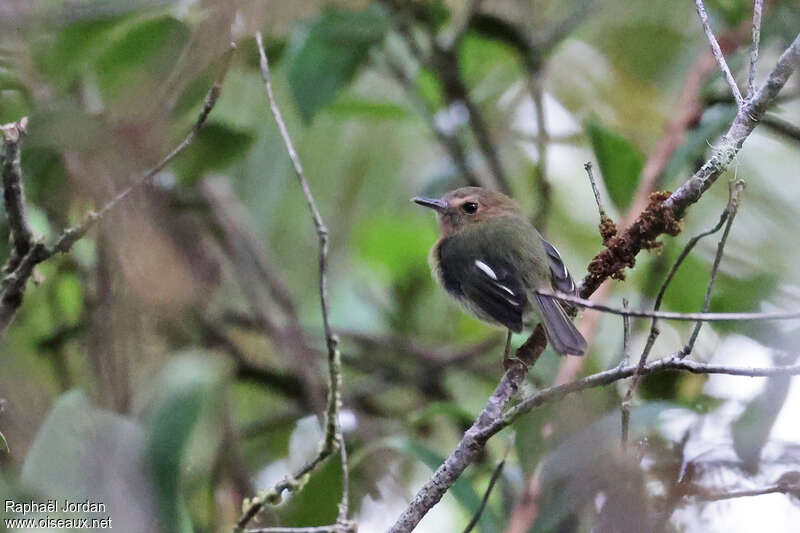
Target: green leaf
[[81, 452], [148, 48], [215, 147], [740, 295], [397, 245], [732, 11], [620, 164], [368, 109], [329, 54], [3, 443], [69, 294], [184, 387], [430, 88]]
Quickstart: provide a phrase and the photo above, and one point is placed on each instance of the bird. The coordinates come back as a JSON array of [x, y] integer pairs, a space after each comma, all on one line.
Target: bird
[[492, 260]]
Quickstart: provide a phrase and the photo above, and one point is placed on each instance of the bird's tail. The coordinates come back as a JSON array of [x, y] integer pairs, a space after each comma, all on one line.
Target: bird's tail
[[561, 332]]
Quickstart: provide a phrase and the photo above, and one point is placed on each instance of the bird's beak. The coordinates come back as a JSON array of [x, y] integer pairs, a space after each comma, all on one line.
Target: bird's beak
[[433, 203]]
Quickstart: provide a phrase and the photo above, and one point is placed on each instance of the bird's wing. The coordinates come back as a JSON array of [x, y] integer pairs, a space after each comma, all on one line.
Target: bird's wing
[[559, 275], [496, 289]]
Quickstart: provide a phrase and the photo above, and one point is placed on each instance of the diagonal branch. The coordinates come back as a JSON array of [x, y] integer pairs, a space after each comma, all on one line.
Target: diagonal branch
[[662, 214], [718, 55], [333, 436]]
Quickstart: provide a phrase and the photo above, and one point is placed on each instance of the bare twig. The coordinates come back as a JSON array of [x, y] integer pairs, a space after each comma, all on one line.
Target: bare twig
[[601, 379], [333, 437], [345, 500], [14, 192], [588, 167], [751, 78], [626, 335], [492, 481], [669, 315], [736, 188], [607, 227], [780, 488], [723, 65]]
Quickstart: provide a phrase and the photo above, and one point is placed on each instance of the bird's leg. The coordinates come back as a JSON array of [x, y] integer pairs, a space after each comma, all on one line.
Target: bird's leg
[[507, 351]]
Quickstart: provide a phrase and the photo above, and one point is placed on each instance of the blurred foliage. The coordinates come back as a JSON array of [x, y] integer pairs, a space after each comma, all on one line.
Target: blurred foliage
[[139, 370]]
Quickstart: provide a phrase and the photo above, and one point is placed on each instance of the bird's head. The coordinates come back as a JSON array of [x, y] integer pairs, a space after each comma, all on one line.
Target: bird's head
[[464, 207]]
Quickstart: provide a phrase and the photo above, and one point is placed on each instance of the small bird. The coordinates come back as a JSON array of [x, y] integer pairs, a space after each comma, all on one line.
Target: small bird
[[493, 261]]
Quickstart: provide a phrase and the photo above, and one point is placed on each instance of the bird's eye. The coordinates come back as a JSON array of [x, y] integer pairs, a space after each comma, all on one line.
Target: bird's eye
[[469, 207]]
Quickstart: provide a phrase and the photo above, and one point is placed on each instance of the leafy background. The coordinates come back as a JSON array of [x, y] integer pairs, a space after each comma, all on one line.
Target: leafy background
[[115, 384]]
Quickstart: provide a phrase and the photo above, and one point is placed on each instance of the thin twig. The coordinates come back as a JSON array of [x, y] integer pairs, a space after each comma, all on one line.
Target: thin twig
[[606, 227], [595, 189], [333, 437], [601, 379], [779, 488], [14, 192], [492, 481], [723, 65], [345, 500], [626, 335], [751, 78], [669, 315], [736, 189]]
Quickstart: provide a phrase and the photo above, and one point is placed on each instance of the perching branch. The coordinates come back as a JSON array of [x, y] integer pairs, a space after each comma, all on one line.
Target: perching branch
[[471, 444], [718, 55], [12, 288], [333, 437]]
